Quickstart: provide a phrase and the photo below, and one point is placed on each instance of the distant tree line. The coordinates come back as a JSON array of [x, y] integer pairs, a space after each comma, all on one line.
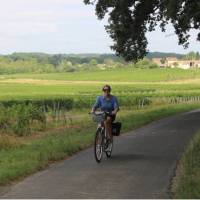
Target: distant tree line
[[47, 63], [191, 56]]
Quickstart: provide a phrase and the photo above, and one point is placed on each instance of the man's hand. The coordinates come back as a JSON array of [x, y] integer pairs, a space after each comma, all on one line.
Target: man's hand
[[113, 112], [93, 110]]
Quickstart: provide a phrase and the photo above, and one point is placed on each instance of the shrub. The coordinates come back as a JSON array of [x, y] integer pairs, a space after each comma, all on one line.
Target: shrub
[[7, 142], [4, 118], [36, 114], [21, 120]]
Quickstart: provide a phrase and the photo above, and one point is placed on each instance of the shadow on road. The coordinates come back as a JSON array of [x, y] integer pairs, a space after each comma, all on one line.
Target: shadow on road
[[129, 157], [136, 157]]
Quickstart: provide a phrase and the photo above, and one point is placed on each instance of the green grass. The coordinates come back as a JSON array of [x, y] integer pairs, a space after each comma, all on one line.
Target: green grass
[[186, 184], [16, 163], [36, 154], [124, 74]]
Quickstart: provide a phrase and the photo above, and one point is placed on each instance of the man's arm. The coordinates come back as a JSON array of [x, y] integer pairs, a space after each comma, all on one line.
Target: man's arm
[[96, 105], [116, 106]]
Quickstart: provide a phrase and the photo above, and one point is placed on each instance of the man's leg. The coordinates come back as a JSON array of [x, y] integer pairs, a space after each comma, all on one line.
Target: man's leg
[[108, 126]]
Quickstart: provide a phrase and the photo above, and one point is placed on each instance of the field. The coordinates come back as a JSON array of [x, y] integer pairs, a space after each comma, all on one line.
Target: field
[[133, 87], [123, 74], [38, 109], [134, 82], [58, 93], [52, 96]]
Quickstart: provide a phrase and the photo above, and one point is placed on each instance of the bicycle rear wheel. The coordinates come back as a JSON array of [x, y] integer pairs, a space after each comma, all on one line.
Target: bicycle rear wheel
[[98, 145]]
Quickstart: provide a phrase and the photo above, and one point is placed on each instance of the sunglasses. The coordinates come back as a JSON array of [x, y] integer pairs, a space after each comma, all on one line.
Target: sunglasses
[[106, 89]]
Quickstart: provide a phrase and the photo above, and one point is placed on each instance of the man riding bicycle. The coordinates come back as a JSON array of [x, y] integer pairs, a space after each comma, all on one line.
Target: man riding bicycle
[[107, 103]]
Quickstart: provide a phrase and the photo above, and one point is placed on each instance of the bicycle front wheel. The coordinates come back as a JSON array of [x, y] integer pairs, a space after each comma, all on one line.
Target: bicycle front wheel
[[98, 145]]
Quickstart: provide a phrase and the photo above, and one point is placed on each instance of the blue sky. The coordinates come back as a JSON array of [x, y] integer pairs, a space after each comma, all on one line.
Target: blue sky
[[66, 26]]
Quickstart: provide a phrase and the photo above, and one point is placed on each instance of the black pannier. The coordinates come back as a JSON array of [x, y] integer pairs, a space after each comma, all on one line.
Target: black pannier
[[116, 128]]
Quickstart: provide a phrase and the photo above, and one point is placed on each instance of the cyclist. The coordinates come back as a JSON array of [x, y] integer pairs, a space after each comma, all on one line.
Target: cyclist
[[107, 103]]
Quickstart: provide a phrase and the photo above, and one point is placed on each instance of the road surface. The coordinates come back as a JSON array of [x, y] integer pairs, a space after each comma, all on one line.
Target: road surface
[[142, 166]]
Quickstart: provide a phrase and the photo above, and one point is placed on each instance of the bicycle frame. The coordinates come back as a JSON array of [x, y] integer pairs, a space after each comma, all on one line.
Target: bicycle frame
[[103, 131], [102, 126]]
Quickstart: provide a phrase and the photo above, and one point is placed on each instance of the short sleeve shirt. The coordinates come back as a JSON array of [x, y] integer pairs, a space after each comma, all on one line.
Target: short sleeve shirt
[[107, 104]]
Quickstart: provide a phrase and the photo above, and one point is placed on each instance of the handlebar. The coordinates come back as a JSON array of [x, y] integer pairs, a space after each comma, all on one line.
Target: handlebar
[[100, 113]]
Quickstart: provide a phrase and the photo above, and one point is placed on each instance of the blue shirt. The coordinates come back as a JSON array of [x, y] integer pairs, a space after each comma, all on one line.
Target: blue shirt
[[106, 104]]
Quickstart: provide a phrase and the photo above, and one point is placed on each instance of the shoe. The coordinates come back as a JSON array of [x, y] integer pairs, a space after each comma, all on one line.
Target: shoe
[[107, 145], [108, 141]]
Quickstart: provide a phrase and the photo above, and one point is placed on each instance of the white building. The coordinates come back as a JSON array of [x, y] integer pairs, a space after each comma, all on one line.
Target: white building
[[184, 64], [174, 62]]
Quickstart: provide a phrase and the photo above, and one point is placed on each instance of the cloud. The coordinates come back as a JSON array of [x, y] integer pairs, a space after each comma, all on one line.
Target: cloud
[[62, 26], [26, 31], [50, 26], [22, 4], [22, 9], [55, 15], [22, 18]]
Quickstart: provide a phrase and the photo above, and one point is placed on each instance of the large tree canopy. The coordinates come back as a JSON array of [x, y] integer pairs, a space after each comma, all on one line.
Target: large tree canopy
[[129, 20]]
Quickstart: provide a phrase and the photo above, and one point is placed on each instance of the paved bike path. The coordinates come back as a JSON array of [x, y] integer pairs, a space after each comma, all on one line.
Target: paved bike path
[[142, 166]]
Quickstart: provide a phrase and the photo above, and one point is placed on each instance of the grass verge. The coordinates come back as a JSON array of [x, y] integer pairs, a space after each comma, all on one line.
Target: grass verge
[[35, 155], [186, 184]]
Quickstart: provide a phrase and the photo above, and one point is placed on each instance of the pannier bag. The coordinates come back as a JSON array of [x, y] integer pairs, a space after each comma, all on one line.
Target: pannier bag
[[116, 128]]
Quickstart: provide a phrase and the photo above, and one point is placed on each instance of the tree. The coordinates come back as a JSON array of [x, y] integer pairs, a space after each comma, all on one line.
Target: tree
[[65, 66], [163, 60], [197, 56], [191, 56], [175, 64], [108, 62], [93, 62], [145, 64], [129, 21]]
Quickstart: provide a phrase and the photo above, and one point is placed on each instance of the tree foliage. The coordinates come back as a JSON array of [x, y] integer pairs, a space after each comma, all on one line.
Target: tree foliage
[[192, 56], [46, 63], [129, 21]]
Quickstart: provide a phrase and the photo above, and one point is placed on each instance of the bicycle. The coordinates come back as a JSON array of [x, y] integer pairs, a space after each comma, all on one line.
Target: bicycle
[[101, 140]]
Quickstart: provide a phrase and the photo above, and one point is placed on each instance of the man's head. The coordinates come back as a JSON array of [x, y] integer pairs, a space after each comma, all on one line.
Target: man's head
[[106, 90]]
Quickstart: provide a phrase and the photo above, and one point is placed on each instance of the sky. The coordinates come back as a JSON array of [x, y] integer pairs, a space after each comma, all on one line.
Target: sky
[[67, 26]]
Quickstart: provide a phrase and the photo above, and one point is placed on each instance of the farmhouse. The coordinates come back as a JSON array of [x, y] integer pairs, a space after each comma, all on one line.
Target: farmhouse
[[174, 62], [184, 64]]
